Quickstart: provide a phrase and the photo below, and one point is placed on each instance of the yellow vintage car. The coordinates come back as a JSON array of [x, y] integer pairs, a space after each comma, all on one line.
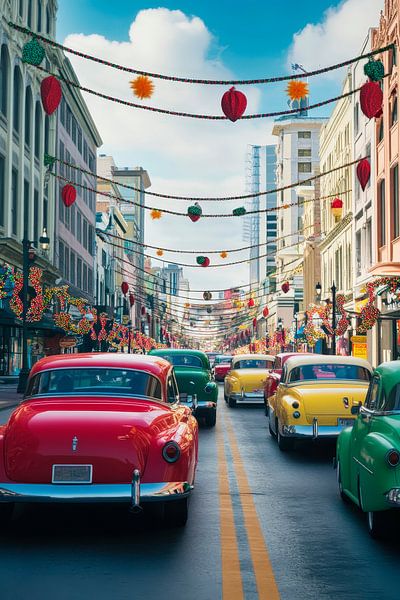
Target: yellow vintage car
[[245, 381], [317, 397]]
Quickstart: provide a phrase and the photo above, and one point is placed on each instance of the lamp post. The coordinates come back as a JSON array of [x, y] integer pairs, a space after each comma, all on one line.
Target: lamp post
[[28, 256], [318, 290], [295, 320]]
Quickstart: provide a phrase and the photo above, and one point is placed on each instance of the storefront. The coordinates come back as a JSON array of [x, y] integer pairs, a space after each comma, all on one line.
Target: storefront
[[388, 326]]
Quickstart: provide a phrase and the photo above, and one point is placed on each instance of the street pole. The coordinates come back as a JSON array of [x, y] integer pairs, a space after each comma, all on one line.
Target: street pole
[[333, 290], [24, 372], [129, 336]]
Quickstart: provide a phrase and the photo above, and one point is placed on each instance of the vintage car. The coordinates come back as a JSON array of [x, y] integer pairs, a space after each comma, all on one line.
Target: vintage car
[[100, 427], [193, 374], [368, 455], [222, 366], [245, 381], [274, 375], [315, 397]]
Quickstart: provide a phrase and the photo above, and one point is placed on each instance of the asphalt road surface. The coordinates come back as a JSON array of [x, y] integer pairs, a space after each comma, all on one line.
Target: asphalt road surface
[[262, 525]]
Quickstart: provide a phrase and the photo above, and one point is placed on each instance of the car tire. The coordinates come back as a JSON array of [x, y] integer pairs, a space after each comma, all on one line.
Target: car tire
[[284, 443], [342, 493], [211, 418], [176, 512], [225, 397], [266, 408], [379, 524], [231, 402]]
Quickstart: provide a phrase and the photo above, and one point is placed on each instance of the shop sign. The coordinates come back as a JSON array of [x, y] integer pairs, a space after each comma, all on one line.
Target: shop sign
[[392, 301], [359, 346], [125, 319], [67, 342]]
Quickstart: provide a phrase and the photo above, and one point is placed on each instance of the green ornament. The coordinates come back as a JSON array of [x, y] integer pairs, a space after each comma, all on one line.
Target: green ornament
[[374, 69], [33, 53], [200, 260], [195, 209], [238, 212], [49, 160]]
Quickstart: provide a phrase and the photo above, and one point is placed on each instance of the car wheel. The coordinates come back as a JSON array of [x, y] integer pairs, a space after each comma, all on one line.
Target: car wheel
[[6, 512], [231, 402], [342, 493], [266, 408], [225, 397], [211, 418], [379, 524], [176, 512], [283, 442]]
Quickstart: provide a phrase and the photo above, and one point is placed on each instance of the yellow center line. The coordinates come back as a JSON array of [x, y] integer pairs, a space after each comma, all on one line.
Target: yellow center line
[[264, 575], [232, 587]]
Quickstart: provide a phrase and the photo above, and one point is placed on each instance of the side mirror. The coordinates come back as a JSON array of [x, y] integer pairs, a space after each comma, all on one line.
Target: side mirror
[[356, 409]]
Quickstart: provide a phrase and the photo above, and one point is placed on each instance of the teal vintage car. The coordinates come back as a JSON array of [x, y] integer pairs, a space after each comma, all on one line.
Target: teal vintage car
[[193, 374], [368, 454]]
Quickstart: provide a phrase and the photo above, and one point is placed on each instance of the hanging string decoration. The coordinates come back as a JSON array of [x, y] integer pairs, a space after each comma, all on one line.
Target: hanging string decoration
[[68, 194], [371, 99], [369, 313], [363, 171], [155, 214], [337, 208], [142, 87], [194, 212], [239, 212], [297, 90], [374, 69], [36, 308], [51, 94], [33, 53], [16, 303], [233, 104]]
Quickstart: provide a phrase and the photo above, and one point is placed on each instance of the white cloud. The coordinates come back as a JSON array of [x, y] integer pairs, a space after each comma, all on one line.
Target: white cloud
[[192, 157], [338, 36]]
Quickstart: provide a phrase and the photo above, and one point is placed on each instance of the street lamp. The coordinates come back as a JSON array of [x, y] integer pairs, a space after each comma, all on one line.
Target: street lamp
[[318, 290], [28, 255]]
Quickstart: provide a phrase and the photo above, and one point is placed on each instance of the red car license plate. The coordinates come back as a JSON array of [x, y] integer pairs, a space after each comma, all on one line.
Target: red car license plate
[[72, 474]]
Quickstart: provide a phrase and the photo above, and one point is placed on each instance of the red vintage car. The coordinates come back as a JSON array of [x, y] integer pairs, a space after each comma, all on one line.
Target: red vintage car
[[222, 366], [274, 375], [100, 428]]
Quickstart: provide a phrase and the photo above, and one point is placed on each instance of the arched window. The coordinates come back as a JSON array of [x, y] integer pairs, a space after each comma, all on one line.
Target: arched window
[[48, 20], [4, 75], [17, 99], [39, 15], [30, 7], [394, 110], [28, 115], [46, 134], [38, 128]]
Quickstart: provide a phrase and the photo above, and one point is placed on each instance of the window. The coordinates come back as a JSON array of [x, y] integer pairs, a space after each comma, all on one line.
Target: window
[[36, 214], [395, 200], [30, 14], [60, 164], [394, 111], [46, 134], [17, 100], [21, 8], [78, 226], [2, 188], [304, 152], [382, 213], [329, 371], [304, 167], [84, 277], [373, 393], [91, 241], [4, 73], [356, 118], [304, 135], [72, 209], [48, 20], [79, 273], [39, 15], [62, 112], [14, 201], [79, 140], [38, 129], [61, 257], [66, 263], [358, 253], [45, 209], [90, 280], [368, 244], [28, 116], [85, 233], [172, 391], [381, 130], [72, 268]]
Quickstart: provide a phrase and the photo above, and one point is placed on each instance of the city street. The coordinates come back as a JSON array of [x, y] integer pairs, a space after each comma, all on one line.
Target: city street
[[280, 518]]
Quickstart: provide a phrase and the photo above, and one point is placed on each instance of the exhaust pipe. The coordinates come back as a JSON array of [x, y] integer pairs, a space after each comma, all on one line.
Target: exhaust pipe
[[135, 493]]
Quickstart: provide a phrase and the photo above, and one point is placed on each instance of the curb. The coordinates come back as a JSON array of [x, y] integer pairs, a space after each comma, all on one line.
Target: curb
[[4, 407]]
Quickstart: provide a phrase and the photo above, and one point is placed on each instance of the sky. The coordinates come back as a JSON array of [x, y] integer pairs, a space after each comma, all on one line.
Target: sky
[[207, 39]]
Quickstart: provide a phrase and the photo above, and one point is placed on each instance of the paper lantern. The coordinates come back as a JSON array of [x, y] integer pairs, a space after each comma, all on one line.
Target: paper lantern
[[296, 89], [68, 194], [50, 91], [337, 207], [142, 87], [33, 53], [371, 99], [254, 322], [363, 172], [250, 303], [265, 312], [374, 69], [285, 287], [124, 287], [143, 310], [233, 104], [194, 212], [131, 299]]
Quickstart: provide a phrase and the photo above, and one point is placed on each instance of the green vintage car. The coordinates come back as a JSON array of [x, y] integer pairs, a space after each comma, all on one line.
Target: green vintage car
[[194, 378], [368, 454]]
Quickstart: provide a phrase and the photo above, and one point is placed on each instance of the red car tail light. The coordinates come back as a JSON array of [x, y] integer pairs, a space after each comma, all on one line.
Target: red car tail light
[[393, 458], [171, 452]]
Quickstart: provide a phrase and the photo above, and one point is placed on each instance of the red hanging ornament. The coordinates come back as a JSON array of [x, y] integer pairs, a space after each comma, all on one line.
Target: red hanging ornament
[[124, 288], [50, 91], [194, 212], [363, 172], [265, 312], [337, 207], [254, 322], [250, 303], [143, 310], [205, 261], [233, 104], [371, 99], [68, 194], [285, 287], [131, 299]]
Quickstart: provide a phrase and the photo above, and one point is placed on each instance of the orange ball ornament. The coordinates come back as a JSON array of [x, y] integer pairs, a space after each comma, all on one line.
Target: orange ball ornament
[[223, 254], [160, 252], [296, 90], [155, 214], [142, 87]]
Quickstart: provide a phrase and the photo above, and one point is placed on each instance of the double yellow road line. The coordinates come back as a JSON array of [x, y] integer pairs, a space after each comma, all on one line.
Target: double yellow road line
[[232, 584]]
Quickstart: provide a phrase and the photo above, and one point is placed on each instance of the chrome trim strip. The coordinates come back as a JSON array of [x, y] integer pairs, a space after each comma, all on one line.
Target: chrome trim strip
[[308, 431], [362, 465], [135, 495], [315, 428], [95, 492]]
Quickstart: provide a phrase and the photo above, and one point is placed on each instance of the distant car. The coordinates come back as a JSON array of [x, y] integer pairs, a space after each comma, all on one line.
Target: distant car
[[274, 375], [100, 428], [245, 381], [315, 397], [222, 366], [211, 357], [368, 454], [193, 374]]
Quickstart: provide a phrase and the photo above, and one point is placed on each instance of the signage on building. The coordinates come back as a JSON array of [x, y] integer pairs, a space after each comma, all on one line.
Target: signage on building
[[67, 342], [125, 319], [359, 346], [392, 301]]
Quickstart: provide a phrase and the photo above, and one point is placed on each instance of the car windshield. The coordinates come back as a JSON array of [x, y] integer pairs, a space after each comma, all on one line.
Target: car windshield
[[184, 360], [223, 360], [125, 382], [253, 363], [329, 371]]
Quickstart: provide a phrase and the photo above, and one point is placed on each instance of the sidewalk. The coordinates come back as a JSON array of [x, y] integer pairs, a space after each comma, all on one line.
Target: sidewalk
[[9, 395]]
